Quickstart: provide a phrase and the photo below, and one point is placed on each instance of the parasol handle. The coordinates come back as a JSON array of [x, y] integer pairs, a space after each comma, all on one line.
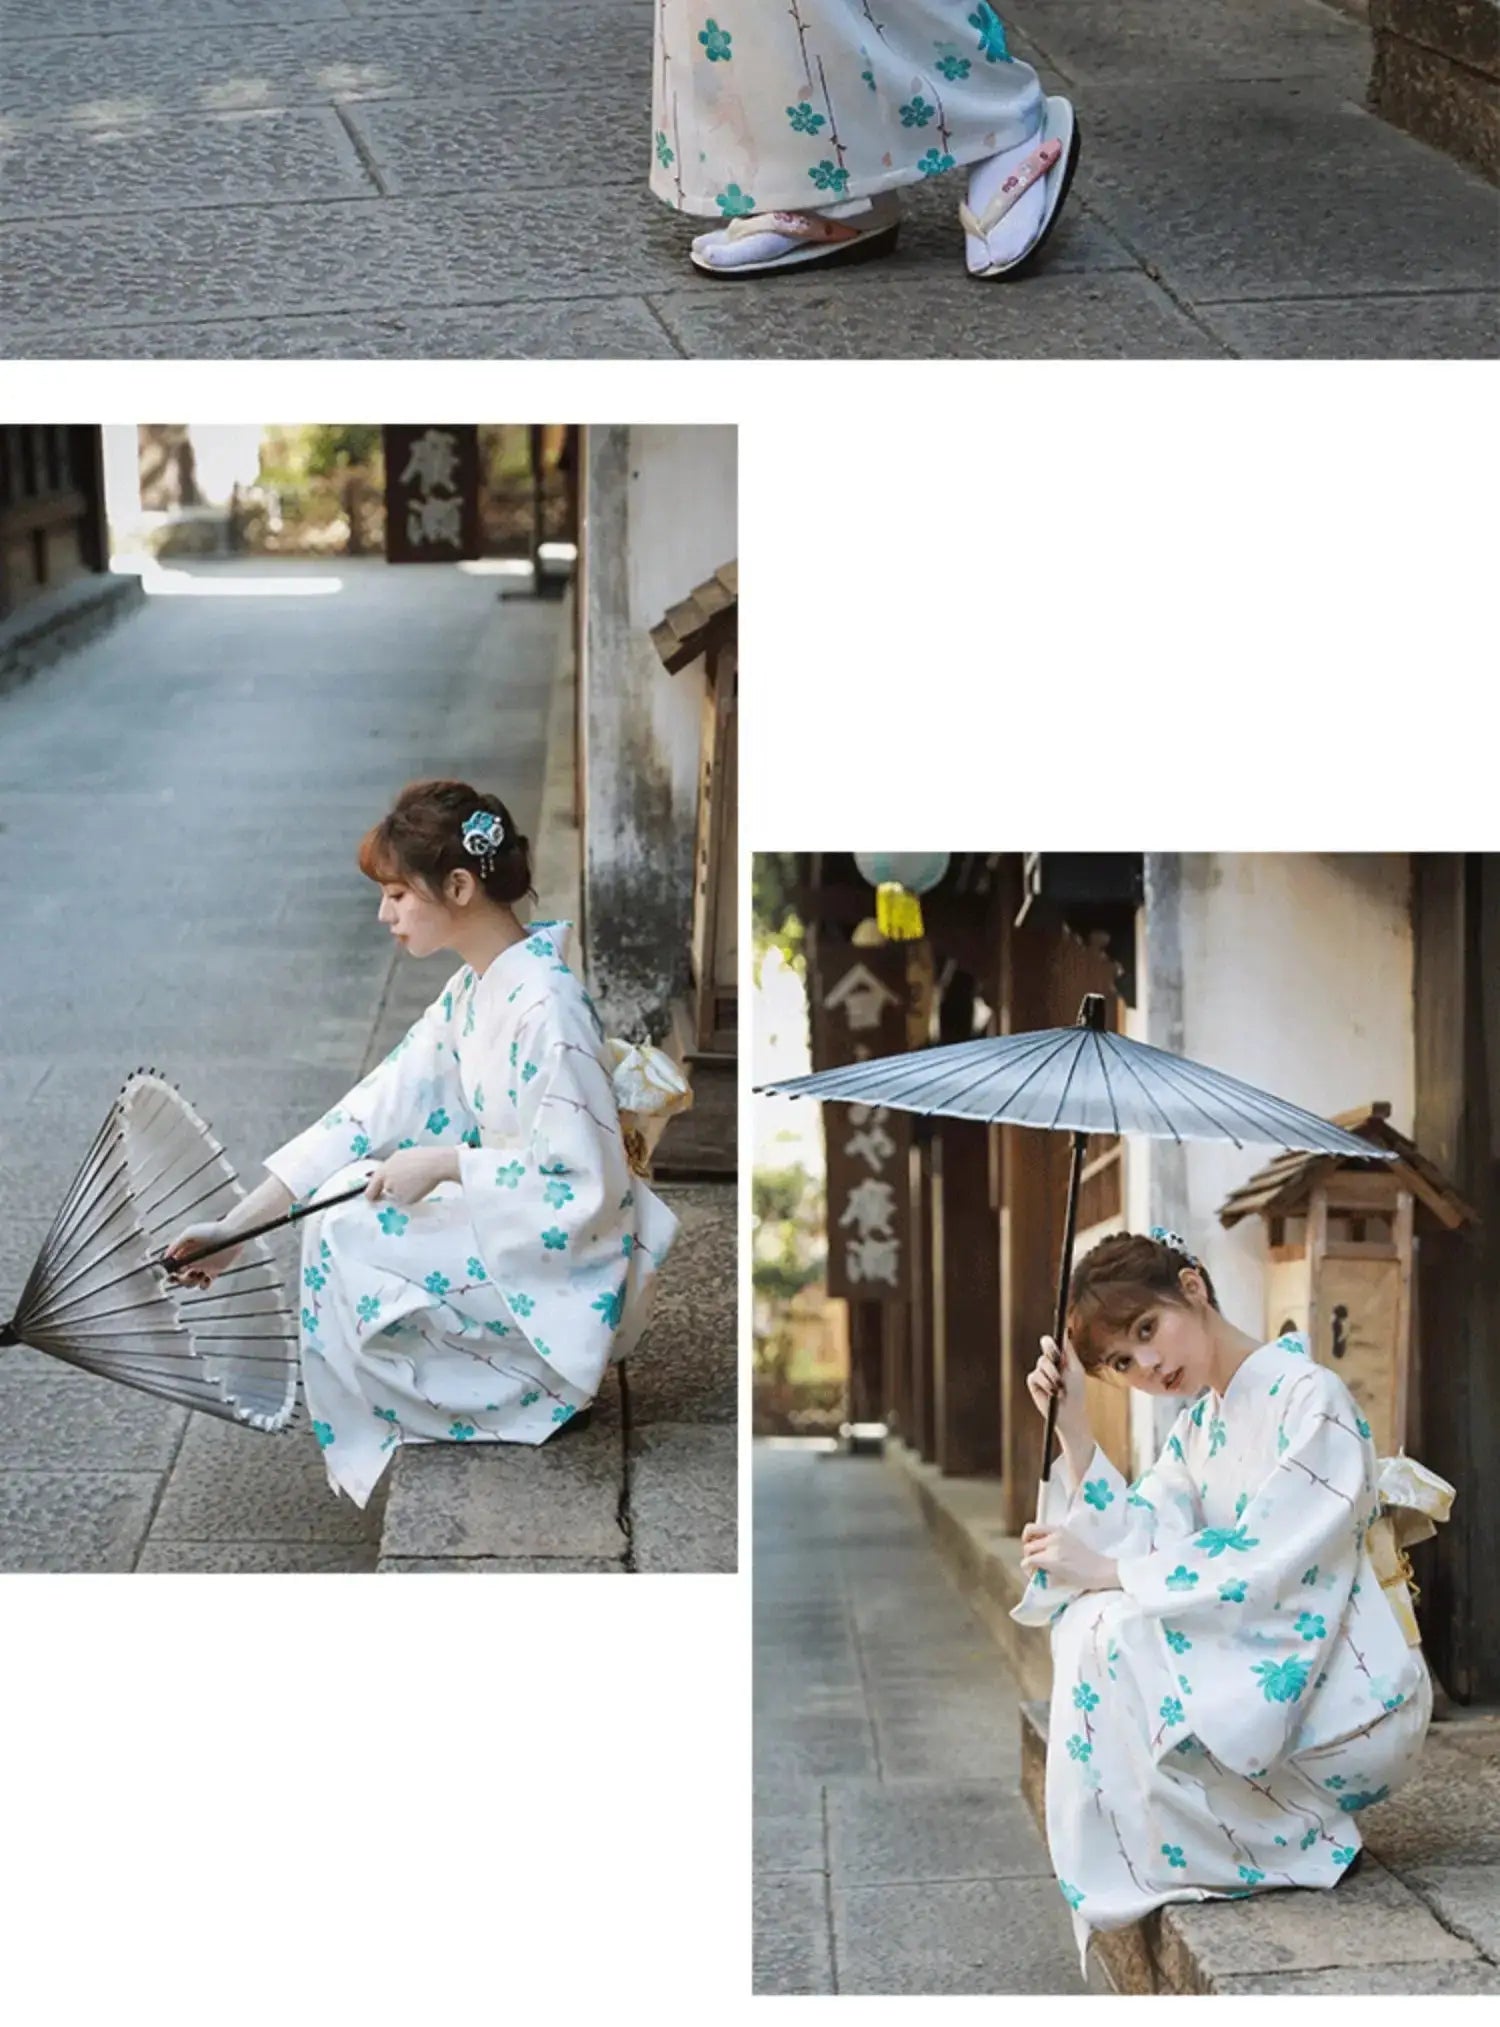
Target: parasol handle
[[9, 1335], [258, 1231], [1090, 1015]]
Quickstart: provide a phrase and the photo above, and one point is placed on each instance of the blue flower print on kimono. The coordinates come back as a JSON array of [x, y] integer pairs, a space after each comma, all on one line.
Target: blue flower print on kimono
[[784, 107], [490, 1310], [1241, 1558]]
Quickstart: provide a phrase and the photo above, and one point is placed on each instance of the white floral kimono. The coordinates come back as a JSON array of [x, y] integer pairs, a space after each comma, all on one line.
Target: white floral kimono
[[1219, 1721], [785, 105], [490, 1310]]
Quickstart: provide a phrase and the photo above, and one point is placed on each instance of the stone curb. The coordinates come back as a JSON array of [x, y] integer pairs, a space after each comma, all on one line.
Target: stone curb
[[53, 625]]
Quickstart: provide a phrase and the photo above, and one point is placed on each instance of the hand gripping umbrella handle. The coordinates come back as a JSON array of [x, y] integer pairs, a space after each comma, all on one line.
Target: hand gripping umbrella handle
[[258, 1231]]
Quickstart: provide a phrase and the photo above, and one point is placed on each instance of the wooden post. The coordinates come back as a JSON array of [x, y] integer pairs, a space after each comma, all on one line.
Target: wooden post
[[866, 1360], [966, 1390], [919, 1366]]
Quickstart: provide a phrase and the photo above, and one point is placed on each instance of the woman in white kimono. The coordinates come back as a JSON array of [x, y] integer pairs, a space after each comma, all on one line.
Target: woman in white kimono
[[1230, 1684], [502, 1252], [794, 123]]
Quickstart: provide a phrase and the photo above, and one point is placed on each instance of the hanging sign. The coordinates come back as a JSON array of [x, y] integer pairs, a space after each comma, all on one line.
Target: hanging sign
[[860, 1008], [432, 493]]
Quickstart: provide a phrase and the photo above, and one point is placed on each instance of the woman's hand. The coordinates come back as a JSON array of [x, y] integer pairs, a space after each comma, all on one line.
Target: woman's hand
[[1062, 1555], [412, 1173], [187, 1243], [1060, 1372]]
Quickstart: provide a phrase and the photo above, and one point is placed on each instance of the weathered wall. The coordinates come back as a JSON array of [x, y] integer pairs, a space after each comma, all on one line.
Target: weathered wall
[[1294, 972], [659, 518]]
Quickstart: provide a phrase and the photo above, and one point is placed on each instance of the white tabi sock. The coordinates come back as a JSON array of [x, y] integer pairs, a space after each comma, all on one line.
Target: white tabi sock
[[1009, 239], [719, 250]]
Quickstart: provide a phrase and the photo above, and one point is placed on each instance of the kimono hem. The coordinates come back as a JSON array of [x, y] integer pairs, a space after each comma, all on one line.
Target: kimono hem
[[760, 107], [1220, 1720], [490, 1310]]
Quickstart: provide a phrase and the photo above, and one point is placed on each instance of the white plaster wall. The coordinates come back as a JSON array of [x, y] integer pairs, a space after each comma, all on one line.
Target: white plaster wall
[[661, 515], [1296, 975], [683, 513]]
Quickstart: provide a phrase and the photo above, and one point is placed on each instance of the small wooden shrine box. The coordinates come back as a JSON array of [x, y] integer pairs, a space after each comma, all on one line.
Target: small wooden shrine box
[[1340, 1257]]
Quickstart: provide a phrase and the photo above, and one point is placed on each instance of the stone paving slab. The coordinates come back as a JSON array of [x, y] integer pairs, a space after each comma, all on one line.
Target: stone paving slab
[[1371, 1919], [788, 1819], [223, 67], [233, 158], [1451, 326], [73, 1520], [1056, 316], [686, 1367], [513, 1565], [792, 1952], [257, 1558], [463, 142], [1110, 42], [610, 328], [24, 21], [1368, 212], [1465, 1898], [888, 1832], [69, 1420], [683, 1496], [1447, 1813], [503, 1500], [973, 1936], [230, 1484], [427, 253], [1458, 1976]]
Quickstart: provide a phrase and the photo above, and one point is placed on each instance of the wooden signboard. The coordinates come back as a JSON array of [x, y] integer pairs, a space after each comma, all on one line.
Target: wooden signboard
[[860, 1003], [432, 492]]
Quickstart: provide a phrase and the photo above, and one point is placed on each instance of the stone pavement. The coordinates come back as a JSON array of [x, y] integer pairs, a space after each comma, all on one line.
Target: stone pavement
[[179, 802], [894, 1851], [388, 178]]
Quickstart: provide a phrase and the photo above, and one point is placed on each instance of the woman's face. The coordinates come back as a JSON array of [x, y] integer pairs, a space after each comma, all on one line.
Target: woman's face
[[1165, 1351], [419, 923]]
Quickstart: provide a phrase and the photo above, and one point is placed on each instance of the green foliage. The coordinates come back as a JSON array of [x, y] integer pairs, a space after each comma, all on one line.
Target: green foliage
[[292, 456], [787, 1221], [775, 923]]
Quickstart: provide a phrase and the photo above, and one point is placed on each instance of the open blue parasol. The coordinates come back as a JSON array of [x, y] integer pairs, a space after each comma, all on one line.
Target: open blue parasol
[[1081, 1080]]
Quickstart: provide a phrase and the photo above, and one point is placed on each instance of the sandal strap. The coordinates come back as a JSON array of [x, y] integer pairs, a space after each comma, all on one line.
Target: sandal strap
[[792, 225], [1039, 163]]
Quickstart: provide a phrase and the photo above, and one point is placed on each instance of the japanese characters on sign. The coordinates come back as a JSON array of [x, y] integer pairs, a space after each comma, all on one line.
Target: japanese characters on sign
[[860, 1010], [432, 493]]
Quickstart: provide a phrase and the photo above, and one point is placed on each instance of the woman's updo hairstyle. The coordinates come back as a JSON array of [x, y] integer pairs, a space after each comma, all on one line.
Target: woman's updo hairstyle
[[422, 841], [1117, 1282]]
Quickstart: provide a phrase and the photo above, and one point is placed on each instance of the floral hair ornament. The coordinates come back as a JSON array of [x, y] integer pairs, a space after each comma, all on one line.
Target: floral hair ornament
[[1179, 1245], [484, 834]]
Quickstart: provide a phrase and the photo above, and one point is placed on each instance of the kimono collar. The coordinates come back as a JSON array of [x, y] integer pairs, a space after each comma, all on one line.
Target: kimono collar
[[545, 943], [1293, 1343]]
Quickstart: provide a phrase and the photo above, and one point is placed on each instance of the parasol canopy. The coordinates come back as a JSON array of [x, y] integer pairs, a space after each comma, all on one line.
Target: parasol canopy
[[1083, 1080], [1079, 1080], [100, 1298]]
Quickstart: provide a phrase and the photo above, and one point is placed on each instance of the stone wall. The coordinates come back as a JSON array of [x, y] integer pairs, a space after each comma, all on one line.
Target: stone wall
[[1437, 74]]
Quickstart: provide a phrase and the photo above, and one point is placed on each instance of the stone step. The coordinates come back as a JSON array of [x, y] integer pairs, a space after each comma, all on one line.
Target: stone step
[[703, 1141], [1409, 1924]]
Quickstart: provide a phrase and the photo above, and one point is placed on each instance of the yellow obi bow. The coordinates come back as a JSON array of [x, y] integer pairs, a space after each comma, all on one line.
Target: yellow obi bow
[[1412, 1502], [648, 1089]]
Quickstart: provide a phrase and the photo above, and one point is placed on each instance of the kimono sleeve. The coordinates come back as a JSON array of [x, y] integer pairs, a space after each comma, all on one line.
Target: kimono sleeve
[[385, 1107], [1263, 1601], [551, 1213], [1112, 1517]]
